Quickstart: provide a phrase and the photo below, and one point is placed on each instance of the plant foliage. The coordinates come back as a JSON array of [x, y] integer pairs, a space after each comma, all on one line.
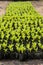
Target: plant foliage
[[21, 29]]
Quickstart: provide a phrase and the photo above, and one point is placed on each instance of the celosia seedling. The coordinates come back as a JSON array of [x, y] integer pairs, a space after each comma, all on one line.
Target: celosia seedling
[[21, 30]]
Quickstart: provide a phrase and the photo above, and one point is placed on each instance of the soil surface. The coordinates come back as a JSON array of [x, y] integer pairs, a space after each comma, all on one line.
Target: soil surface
[[39, 7]]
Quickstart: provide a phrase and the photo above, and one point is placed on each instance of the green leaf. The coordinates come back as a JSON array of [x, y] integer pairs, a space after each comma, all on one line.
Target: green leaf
[[11, 47], [4, 45]]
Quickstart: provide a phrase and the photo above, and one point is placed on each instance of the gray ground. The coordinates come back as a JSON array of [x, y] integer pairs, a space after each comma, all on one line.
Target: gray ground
[[29, 62], [39, 7]]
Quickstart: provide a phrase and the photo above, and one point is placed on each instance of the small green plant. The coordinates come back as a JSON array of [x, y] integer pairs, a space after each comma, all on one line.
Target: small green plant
[[34, 46], [40, 45], [10, 47], [28, 47], [4, 45], [0, 46], [20, 48]]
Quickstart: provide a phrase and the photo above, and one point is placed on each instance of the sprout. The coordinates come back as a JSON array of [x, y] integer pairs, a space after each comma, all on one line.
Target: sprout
[[42, 47], [0, 46], [4, 45], [7, 36], [34, 46], [20, 48], [17, 47], [23, 35], [5, 50], [10, 47], [28, 47], [39, 44], [2, 35]]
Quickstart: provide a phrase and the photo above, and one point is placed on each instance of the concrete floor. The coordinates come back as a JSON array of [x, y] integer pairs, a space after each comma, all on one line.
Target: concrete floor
[[39, 7], [15, 62], [3, 5]]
